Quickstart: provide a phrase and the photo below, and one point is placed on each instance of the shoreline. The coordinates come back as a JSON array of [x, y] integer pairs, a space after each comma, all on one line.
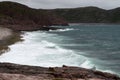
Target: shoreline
[[8, 37], [53, 73], [94, 23], [29, 27], [9, 34]]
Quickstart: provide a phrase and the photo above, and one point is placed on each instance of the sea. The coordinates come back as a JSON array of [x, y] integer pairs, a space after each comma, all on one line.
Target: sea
[[82, 45]]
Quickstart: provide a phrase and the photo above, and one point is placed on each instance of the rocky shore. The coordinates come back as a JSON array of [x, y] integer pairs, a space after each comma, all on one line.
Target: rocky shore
[[30, 27], [10, 71]]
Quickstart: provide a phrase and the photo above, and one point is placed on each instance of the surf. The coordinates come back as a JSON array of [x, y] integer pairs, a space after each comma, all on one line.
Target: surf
[[36, 50]]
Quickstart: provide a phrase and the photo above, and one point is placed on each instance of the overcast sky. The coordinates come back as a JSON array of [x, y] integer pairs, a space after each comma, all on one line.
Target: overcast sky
[[51, 4]]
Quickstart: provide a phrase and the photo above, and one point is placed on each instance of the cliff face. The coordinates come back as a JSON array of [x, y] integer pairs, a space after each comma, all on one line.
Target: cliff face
[[89, 15], [21, 16]]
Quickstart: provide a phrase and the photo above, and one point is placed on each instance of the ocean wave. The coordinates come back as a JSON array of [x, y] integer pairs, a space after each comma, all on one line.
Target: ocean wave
[[42, 53], [62, 30], [87, 64], [109, 71]]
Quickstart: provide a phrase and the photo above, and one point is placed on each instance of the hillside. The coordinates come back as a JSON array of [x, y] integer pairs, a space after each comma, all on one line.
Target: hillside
[[89, 15], [21, 17]]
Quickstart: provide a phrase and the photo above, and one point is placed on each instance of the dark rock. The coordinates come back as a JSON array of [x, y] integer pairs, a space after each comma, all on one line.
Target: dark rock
[[56, 72], [65, 66], [47, 28]]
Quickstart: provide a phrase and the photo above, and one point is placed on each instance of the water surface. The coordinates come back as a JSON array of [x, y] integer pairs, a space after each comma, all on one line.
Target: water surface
[[82, 45]]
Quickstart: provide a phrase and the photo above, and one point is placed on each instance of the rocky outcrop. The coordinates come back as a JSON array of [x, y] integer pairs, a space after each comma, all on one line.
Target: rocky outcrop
[[18, 72]]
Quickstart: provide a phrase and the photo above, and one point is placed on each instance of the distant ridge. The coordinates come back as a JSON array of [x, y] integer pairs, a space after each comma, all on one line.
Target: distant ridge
[[89, 15]]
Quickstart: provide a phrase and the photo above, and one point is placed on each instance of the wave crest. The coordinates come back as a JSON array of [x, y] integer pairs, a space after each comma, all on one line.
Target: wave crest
[[62, 30]]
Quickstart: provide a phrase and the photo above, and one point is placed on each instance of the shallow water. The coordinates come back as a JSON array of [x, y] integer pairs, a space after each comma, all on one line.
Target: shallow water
[[81, 45]]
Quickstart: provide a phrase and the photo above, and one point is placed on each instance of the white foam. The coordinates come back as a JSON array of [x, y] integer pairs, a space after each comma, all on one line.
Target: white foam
[[62, 30], [48, 44], [87, 64], [109, 71], [41, 53]]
